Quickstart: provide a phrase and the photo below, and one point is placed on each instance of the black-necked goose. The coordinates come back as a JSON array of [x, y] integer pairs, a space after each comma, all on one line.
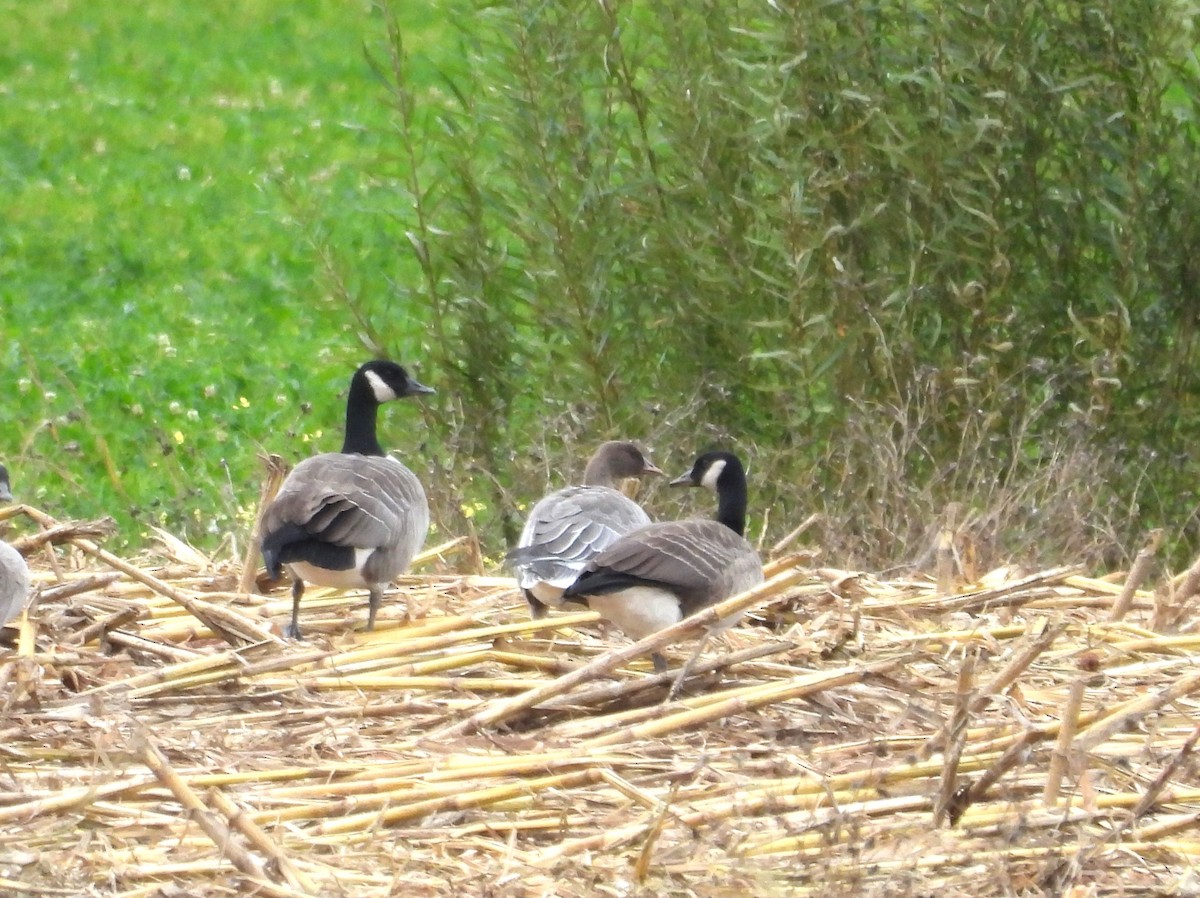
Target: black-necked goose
[[355, 518], [567, 528], [657, 575], [14, 573]]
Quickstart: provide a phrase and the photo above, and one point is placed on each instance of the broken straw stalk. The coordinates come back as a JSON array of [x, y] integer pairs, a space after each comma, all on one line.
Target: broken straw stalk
[[344, 764]]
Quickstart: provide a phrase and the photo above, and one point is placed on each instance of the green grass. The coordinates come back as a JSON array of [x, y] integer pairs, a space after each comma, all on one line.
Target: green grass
[[163, 310]]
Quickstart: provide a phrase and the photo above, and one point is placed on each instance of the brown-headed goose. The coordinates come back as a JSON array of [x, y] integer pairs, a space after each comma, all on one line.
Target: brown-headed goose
[[14, 573], [657, 575], [568, 527], [350, 519]]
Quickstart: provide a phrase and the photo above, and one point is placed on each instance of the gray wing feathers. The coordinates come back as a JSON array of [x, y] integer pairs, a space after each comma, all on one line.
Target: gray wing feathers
[[568, 528], [701, 561], [14, 583], [366, 502]]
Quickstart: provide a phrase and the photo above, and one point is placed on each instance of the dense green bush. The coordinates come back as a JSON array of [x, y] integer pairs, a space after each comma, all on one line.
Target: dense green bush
[[899, 254]]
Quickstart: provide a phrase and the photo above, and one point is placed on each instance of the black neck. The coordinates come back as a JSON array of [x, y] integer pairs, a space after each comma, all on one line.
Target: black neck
[[361, 412], [731, 498]]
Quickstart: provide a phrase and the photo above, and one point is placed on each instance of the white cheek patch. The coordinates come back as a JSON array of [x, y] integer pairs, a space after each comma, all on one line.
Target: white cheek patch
[[383, 393], [713, 474]]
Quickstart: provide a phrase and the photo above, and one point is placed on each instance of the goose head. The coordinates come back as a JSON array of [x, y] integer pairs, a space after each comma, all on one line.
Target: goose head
[[713, 470], [615, 461], [721, 472], [5, 488], [385, 381], [374, 383]]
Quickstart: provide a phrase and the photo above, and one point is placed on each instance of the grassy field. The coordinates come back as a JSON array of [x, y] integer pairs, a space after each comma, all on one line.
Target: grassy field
[[173, 176]]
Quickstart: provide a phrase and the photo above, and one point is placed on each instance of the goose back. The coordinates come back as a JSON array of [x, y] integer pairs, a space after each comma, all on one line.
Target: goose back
[[656, 575], [14, 583], [701, 562], [14, 572], [334, 507], [568, 527], [565, 530]]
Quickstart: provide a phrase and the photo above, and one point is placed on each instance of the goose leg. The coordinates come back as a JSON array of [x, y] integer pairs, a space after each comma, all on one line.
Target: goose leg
[[536, 609], [375, 598], [292, 630], [660, 663], [687, 667]]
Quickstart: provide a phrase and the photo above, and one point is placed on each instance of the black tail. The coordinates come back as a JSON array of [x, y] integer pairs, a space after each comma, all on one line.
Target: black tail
[[606, 580], [273, 546], [291, 542]]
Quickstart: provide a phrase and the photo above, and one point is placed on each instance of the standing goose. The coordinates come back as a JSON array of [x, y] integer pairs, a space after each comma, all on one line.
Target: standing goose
[[568, 527], [350, 519], [657, 575], [14, 573]]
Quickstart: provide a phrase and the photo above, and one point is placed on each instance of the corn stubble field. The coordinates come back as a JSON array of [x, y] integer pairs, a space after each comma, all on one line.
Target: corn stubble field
[[1005, 733]]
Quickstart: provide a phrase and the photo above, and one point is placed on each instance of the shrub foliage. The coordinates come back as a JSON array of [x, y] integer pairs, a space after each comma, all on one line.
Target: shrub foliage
[[899, 254]]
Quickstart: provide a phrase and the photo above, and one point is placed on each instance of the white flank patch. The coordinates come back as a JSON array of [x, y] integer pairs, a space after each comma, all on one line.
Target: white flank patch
[[639, 610], [547, 593], [319, 576], [713, 474], [383, 393]]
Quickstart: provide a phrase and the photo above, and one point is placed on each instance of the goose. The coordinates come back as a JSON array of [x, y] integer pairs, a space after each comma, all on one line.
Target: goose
[[568, 527], [349, 519], [14, 573], [657, 575]]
